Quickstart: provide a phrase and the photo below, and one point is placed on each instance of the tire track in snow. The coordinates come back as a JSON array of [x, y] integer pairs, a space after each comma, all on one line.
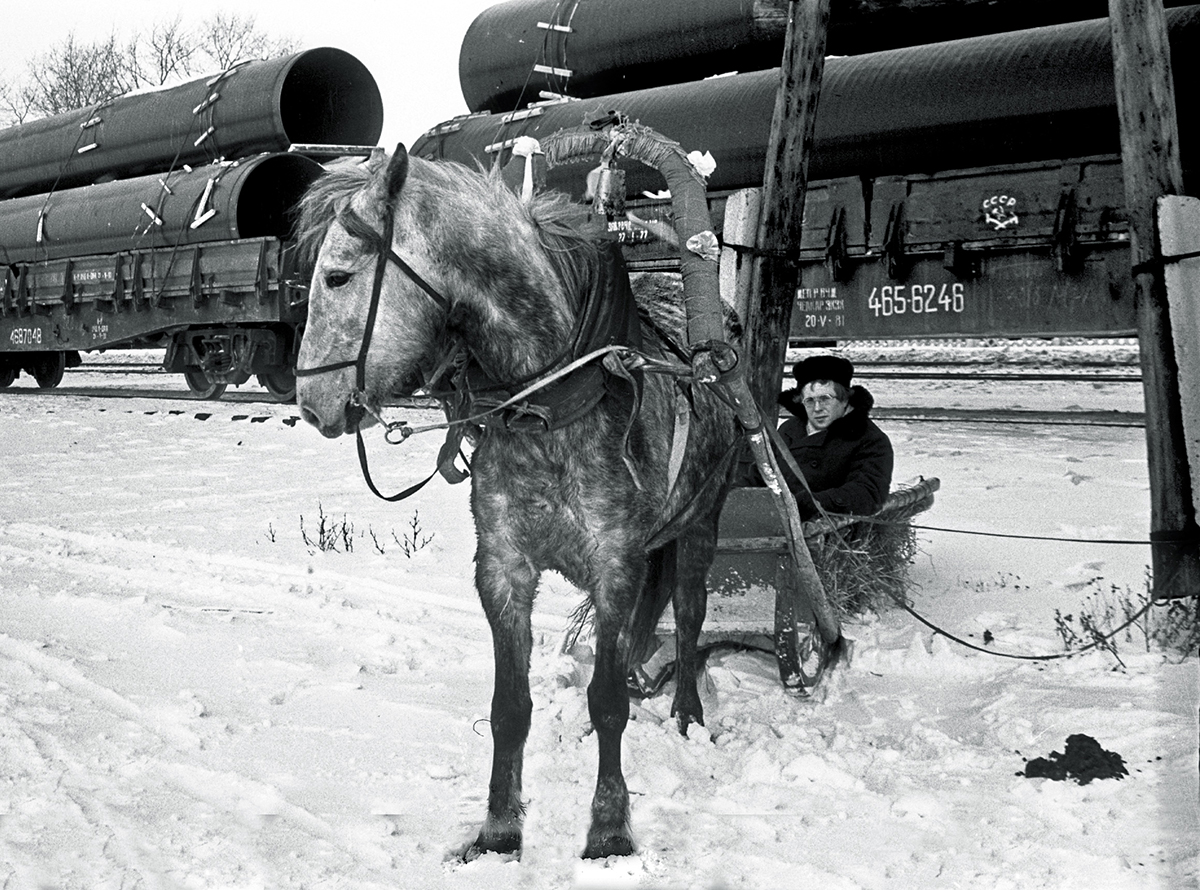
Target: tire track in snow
[[121, 849], [234, 794]]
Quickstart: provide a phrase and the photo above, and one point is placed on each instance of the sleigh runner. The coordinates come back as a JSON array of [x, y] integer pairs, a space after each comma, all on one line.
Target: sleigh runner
[[757, 601]]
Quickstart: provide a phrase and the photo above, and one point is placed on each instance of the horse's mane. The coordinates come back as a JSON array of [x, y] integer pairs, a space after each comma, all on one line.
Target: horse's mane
[[324, 200], [565, 231]]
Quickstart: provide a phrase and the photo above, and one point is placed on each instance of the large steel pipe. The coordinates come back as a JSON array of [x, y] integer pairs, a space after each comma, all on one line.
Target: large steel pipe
[[515, 50], [251, 198], [316, 96], [1008, 98]]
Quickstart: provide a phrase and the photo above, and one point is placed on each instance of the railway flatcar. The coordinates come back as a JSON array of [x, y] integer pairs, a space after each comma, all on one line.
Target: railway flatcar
[[164, 220], [965, 188]]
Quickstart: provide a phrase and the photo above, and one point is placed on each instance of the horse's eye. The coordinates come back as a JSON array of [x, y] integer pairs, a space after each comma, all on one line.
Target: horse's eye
[[336, 278]]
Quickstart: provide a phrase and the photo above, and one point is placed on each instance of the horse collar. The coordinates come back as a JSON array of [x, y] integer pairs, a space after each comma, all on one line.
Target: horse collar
[[608, 316]]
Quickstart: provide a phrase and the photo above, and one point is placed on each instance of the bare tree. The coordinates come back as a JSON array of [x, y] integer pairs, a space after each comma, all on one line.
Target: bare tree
[[16, 104], [76, 74], [226, 38], [165, 55]]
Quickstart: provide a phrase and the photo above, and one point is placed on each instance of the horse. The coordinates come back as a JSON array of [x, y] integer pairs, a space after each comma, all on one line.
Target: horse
[[422, 267]]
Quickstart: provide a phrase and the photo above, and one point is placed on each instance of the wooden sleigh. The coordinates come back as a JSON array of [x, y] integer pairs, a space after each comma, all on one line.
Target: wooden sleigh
[[756, 599]]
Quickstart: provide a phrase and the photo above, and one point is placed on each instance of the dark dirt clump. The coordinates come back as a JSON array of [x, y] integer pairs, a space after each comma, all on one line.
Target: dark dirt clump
[[1082, 761]]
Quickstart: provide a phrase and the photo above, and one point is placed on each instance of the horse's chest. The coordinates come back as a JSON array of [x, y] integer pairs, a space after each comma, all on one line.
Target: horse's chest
[[557, 511]]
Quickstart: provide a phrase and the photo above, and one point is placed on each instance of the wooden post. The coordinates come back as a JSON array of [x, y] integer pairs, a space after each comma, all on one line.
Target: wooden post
[[774, 274], [1152, 168], [771, 278], [1179, 241]]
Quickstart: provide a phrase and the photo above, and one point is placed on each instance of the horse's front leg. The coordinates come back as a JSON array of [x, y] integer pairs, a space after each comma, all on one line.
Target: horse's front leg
[[694, 553], [608, 706], [507, 592]]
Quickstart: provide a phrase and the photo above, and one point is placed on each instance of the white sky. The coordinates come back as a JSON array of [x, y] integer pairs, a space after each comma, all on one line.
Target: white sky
[[410, 47]]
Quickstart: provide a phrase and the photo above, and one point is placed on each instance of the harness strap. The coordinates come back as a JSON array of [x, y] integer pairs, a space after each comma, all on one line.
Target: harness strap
[[321, 369], [679, 439]]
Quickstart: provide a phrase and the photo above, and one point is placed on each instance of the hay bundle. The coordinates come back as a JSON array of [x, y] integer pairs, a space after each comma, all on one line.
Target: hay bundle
[[864, 563]]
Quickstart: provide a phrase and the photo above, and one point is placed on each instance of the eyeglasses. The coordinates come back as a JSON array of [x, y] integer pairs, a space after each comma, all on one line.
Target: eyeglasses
[[820, 402]]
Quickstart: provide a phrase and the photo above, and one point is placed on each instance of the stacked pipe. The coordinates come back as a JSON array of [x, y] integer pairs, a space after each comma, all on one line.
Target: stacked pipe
[[515, 51], [203, 161], [1007, 98]]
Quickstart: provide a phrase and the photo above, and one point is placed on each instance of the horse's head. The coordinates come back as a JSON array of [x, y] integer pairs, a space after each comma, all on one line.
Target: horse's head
[[360, 297], [414, 256]]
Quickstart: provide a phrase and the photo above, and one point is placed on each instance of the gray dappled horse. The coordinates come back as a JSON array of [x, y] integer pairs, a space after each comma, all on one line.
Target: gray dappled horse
[[461, 267]]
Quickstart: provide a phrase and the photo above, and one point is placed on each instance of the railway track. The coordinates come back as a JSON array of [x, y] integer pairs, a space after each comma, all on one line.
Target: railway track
[[945, 371], [902, 390]]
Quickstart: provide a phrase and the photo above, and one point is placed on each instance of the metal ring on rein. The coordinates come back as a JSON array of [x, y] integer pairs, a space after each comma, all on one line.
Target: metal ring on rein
[[358, 398], [397, 426]]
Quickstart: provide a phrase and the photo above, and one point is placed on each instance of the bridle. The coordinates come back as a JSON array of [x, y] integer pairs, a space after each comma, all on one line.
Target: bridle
[[358, 397], [386, 254]]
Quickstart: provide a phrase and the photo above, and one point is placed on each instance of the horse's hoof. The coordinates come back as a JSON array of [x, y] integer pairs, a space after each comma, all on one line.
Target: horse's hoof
[[620, 844], [687, 709], [505, 841], [685, 718], [479, 848]]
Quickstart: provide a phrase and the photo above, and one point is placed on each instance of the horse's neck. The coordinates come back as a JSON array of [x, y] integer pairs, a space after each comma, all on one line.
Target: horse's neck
[[519, 332], [518, 308], [514, 347]]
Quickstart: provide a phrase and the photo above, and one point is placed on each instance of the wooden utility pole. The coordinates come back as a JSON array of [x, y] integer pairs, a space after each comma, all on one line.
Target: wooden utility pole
[[769, 283], [1152, 169], [774, 273]]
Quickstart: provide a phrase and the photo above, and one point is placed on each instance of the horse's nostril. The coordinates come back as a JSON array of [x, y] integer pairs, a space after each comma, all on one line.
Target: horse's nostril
[[310, 417]]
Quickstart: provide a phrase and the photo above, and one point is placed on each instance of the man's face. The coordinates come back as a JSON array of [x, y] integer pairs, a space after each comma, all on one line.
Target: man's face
[[822, 404]]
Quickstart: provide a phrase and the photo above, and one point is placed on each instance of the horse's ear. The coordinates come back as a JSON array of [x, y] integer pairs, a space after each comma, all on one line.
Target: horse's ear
[[397, 171]]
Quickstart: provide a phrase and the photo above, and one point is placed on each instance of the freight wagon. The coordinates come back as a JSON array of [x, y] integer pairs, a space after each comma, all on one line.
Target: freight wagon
[[165, 220], [966, 188]]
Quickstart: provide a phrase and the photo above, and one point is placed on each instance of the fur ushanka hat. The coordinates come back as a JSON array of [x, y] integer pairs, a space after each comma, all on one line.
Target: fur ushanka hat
[[823, 367]]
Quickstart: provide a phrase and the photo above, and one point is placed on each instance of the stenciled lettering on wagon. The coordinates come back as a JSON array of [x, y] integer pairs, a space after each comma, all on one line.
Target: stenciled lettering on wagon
[[625, 232], [640, 231], [90, 275], [820, 307], [916, 299], [82, 276], [26, 337], [1000, 212], [99, 332]]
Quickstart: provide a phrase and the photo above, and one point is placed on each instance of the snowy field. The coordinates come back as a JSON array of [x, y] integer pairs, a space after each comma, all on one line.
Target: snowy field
[[194, 696]]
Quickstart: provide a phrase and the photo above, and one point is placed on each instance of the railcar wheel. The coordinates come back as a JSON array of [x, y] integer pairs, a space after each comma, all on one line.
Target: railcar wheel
[[7, 376], [201, 386], [48, 370], [280, 384]]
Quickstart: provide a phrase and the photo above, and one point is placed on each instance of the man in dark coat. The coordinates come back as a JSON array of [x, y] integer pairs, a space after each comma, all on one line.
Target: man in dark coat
[[846, 459]]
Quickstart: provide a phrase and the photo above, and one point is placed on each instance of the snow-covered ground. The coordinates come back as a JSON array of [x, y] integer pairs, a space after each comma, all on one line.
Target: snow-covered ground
[[193, 696]]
